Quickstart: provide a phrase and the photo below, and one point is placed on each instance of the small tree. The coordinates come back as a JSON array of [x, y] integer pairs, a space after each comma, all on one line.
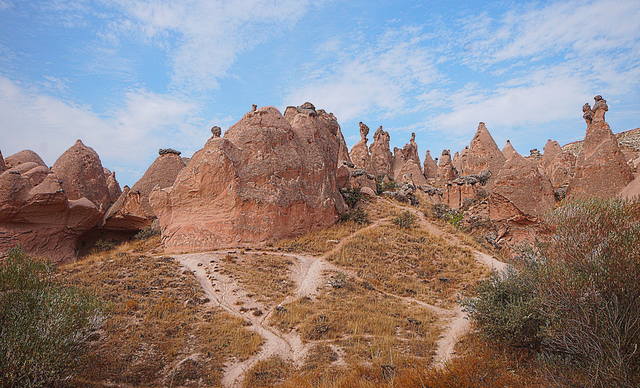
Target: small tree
[[44, 326]]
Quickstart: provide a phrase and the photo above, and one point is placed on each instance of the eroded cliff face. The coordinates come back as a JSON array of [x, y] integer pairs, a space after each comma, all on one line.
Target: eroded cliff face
[[270, 177]]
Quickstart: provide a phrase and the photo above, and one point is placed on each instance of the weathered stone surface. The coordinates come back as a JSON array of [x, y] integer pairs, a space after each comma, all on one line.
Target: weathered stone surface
[[601, 169], [430, 168], [36, 214], [381, 159], [82, 175], [2, 164], [112, 185], [632, 190], [360, 152], [23, 156], [216, 131], [132, 210], [406, 164], [458, 192], [446, 171], [270, 177], [343, 150], [508, 151], [164, 151], [557, 164], [483, 154], [520, 182]]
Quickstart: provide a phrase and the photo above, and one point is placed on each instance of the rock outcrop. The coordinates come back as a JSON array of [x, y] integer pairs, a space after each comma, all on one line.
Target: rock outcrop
[[381, 159], [430, 168], [2, 164], [132, 210], [557, 164], [112, 185], [360, 152], [82, 175], [406, 164], [632, 190], [483, 154], [37, 215], [601, 169], [270, 177], [508, 151], [446, 171], [23, 156]]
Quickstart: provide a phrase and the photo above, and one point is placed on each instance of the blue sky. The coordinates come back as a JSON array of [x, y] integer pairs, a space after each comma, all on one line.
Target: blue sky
[[131, 76]]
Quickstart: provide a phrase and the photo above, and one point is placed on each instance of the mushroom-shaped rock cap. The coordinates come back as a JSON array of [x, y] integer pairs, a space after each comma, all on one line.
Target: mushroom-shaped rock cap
[[216, 131], [23, 156], [164, 151]]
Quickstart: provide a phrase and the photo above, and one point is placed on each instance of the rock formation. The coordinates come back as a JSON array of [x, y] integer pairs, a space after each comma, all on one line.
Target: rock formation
[[270, 177], [601, 169], [36, 213], [508, 151], [23, 156], [483, 154], [343, 151], [406, 164], [2, 165], [132, 210], [557, 164], [430, 168], [446, 171], [360, 152], [112, 185], [216, 131], [520, 182], [632, 190], [82, 175], [381, 159]]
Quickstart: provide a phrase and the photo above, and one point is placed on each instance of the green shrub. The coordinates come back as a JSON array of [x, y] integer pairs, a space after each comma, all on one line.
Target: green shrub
[[406, 220], [577, 295], [146, 233], [382, 186], [356, 215], [44, 326], [352, 196], [444, 212]]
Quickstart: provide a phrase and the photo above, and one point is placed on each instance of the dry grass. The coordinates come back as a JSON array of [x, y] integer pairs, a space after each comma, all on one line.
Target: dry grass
[[368, 326], [268, 373], [321, 241], [265, 276], [160, 331], [411, 262], [379, 208]]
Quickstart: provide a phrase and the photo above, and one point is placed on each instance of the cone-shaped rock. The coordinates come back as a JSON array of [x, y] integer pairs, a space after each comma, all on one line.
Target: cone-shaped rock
[[132, 210], [601, 169], [557, 164], [23, 156], [446, 171], [406, 164], [112, 185], [483, 154], [430, 168], [508, 151], [381, 159], [267, 178], [343, 152], [82, 175], [360, 152]]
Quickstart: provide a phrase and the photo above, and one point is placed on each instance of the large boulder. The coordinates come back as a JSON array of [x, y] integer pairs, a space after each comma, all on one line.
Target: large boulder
[[601, 169], [406, 164], [23, 156], [381, 159], [132, 210], [360, 152], [37, 215], [268, 178], [483, 154], [519, 181], [82, 175]]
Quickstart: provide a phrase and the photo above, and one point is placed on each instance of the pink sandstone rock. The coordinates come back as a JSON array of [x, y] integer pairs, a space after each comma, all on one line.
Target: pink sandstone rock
[[270, 177], [23, 156], [2, 164], [508, 151], [343, 151], [632, 190], [82, 175], [406, 164], [557, 164], [360, 152], [112, 185], [520, 182], [446, 171], [381, 159], [132, 210], [430, 168], [601, 169], [483, 154]]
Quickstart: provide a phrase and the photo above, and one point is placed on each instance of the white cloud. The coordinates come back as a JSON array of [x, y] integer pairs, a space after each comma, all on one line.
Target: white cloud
[[381, 75], [128, 136], [204, 37], [5, 4]]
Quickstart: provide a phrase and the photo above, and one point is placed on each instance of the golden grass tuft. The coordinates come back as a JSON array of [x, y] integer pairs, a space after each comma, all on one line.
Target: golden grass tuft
[[411, 262], [157, 317], [320, 241], [268, 373]]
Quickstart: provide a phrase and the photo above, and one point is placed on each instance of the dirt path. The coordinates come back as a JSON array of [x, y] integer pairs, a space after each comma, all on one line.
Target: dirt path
[[309, 273]]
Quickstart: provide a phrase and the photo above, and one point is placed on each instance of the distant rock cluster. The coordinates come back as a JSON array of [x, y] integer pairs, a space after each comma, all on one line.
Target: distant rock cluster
[[275, 175]]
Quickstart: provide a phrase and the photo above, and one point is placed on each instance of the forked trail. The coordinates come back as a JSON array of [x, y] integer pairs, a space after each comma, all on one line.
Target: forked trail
[[308, 273]]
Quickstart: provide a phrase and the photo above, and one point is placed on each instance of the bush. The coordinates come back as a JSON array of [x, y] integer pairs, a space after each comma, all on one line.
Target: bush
[[356, 215], [382, 186], [444, 212], [44, 327], [146, 233], [103, 245], [582, 291], [352, 196], [406, 220]]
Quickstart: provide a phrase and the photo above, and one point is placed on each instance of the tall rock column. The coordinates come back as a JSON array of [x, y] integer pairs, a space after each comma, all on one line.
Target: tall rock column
[[381, 159], [601, 169], [406, 164], [360, 152], [430, 168]]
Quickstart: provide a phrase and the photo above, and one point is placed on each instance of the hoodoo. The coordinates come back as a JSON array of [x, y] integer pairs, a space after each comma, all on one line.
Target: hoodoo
[[381, 159], [483, 154]]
